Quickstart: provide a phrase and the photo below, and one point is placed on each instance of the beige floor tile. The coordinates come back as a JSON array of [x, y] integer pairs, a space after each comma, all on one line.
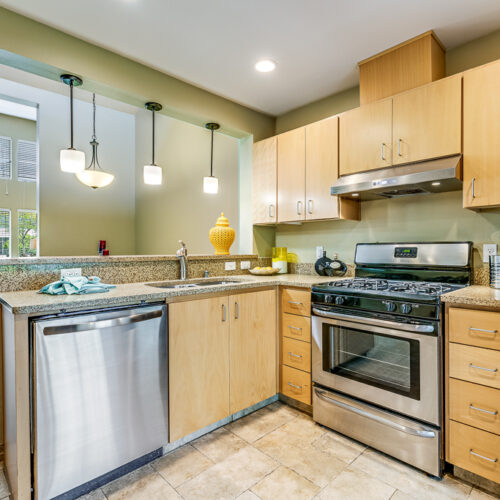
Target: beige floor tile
[[303, 427], [409, 480], [231, 477], [259, 423], [94, 495], [295, 452], [480, 495], [287, 484], [142, 484], [181, 465], [219, 444], [339, 446], [248, 495], [4, 487], [356, 485]]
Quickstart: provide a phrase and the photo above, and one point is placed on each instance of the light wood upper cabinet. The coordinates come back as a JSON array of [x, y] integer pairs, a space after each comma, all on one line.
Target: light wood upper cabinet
[[481, 133], [252, 348], [365, 138], [427, 121], [264, 172], [291, 175], [198, 364], [322, 169]]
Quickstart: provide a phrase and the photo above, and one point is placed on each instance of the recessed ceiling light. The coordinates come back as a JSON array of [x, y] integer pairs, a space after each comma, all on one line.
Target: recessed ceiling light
[[265, 65], [355, 194], [436, 183]]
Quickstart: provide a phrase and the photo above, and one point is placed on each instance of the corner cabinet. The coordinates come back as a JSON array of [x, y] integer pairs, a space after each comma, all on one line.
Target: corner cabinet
[[222, 358], [264, 172], [481, 132]]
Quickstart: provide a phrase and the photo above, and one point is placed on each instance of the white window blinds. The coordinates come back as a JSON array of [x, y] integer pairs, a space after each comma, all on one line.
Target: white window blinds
[[4, 233], [5, 157], [26, 161]]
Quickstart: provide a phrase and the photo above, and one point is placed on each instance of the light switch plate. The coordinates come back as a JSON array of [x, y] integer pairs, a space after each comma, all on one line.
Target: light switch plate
[[319, 252], [230, 266], [245, 264], [73, 272], [489, 249]]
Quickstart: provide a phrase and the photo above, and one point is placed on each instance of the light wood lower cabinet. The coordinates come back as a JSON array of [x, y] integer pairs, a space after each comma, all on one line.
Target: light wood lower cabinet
[[198, 364], [252, 348], [222, 358], [473, 391]]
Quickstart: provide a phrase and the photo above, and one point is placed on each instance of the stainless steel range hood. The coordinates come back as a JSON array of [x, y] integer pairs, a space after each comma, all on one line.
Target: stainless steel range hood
[[431, 176]]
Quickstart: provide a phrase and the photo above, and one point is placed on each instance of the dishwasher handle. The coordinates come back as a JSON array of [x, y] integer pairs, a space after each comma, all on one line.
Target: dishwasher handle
[[87, 326]]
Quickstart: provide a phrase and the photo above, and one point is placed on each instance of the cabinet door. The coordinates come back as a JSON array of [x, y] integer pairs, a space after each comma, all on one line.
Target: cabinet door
[[365, 138], [253, 348], [264, 189], [427, 121], [481, 133], [322, 169], [198, 364], [291, 175]]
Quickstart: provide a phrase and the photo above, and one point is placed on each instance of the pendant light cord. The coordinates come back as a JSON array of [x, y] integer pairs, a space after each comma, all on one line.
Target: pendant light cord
[[93, 117], [153, 163], [71, 110], [212, 154]]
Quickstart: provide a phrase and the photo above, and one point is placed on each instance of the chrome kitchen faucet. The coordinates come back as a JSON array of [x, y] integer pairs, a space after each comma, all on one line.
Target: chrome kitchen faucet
[[182, 256]]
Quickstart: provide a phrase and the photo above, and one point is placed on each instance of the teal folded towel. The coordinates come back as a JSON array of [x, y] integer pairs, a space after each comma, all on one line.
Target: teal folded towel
[[76, 285]]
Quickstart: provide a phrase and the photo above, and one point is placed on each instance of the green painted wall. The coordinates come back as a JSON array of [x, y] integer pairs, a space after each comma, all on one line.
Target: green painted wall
[[16, 195], [35, 47]]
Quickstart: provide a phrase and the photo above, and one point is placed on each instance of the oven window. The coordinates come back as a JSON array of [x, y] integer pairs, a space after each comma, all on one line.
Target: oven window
[[384, 361]]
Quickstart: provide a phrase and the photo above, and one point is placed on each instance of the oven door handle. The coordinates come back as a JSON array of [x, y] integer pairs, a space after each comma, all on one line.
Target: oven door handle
[[421, 432], [407, 327]]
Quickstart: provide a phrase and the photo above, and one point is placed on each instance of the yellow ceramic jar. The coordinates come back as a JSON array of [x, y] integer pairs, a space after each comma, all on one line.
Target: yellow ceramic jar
[[222, 236]]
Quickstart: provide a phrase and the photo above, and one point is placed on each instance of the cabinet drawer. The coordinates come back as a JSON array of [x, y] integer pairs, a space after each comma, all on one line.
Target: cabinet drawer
[[296, 327], [296, 384], [466, 443], [474, 364], [296, 353], [475, 405], [296, 301], [478, 328]]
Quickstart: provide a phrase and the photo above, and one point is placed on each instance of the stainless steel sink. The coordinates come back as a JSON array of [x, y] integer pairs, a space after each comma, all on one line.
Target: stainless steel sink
[[194, 284]]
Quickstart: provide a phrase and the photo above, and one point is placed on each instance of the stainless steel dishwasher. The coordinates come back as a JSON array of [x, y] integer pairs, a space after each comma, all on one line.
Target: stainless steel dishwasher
[[99, 396]]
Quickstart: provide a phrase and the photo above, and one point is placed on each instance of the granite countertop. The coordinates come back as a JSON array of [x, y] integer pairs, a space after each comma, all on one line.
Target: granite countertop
[[31, 302], [474, 295]]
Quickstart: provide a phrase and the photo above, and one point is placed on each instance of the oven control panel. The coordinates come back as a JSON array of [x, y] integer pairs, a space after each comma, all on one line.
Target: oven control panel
[[405, 252]]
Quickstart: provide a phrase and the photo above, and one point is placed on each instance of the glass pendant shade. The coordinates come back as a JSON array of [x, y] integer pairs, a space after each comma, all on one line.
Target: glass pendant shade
[[210, 185], [152, 175], [95, 178], [72, 160]]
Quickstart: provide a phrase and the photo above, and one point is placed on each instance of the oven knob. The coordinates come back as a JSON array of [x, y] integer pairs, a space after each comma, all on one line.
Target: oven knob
[[390, 306], [339, 300], [406, 308], [329, 299]]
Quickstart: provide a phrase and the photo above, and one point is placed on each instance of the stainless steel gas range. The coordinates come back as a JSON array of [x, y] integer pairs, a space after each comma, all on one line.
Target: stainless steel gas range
[[377, 348]]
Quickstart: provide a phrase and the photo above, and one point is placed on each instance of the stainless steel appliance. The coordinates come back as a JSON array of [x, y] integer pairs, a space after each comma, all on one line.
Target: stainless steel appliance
[[377, 347], [99, 396]]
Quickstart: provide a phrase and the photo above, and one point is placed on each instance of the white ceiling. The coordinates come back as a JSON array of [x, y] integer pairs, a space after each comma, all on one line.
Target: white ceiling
[[214, 44]]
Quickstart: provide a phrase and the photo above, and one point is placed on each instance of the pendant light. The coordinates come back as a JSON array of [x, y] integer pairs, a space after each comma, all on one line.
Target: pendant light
[[211, 183], [153, 173], [94, 176], [71, 160]]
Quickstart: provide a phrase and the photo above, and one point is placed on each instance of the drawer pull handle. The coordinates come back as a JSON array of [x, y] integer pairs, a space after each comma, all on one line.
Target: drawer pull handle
[[489, 412], [493, 370], [472, 329], [295, 386], [294, 327], [494, 460], [295, 303], [294, 355]]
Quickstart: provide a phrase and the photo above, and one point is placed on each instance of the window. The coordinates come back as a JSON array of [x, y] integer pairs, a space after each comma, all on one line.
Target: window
[[26, 161], [5, 157], [27, 232], [4, 233]]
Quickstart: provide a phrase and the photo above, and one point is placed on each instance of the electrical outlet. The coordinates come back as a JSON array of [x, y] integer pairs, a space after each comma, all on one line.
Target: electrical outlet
[[245, 264], [71, 273], [489, 249], [230, 266], [319, 252]]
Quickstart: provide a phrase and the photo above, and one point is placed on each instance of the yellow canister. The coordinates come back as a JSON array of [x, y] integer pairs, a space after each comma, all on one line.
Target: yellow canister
[[222, 236], [279, 259]]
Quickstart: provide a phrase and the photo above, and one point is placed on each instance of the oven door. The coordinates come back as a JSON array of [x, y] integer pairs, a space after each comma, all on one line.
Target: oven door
[[391, 364]]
